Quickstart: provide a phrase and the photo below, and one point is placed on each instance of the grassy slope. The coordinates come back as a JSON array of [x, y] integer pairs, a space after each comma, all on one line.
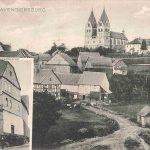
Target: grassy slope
[[72, 121], [128, 110]]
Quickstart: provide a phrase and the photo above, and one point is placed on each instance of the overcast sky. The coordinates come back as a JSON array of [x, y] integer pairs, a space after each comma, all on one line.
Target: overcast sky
[[64, 21]]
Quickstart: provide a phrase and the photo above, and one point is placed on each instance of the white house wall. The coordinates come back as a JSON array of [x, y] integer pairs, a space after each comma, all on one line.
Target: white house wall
[[70, 88], [11, 119], [86, 89]]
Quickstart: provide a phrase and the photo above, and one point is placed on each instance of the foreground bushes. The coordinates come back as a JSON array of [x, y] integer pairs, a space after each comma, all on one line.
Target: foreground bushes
[[77, 130], [15, 140], [131, 144], [145, 136]]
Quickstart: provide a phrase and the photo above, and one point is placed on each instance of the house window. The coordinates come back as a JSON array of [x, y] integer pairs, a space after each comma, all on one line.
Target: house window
[[6, 102], [18, 108], [12, 129], [10, 104], [10, 72]]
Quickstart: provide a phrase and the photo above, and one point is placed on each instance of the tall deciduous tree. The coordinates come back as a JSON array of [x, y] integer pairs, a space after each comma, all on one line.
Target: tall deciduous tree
[[144, 45], [45, 110]]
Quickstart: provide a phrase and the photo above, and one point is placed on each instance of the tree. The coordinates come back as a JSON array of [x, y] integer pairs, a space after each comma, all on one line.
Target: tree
[[45, 110], [52, 50], [144, 45], [121, 88]]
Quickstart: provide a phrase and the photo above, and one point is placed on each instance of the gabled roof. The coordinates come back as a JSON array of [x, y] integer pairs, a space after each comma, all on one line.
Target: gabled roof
[[3, 66], [104, 18], [68, 59], [85, 55], [145, 111], [45, 57], [91, 78], [99, 61], [139, 41], [42, 77], [136, 41], [68, 79], [19, 53], [118, 35], [92, 19], [5, 47]]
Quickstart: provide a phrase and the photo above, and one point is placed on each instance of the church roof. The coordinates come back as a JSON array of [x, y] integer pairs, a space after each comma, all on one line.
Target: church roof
[[104, 18], [92, 19], [118, 35]]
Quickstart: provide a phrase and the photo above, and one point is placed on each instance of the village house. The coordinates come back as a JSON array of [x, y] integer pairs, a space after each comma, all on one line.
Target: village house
[[69, 83], [106, 64], [93, 85], [21, 53], [10, 101], [46, 80], [83, 57], [41, 60], [143, 117], [25, 114], [62, 63], [135, 46]]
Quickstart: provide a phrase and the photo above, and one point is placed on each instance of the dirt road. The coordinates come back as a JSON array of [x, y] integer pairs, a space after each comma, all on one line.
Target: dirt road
[[115, 140]]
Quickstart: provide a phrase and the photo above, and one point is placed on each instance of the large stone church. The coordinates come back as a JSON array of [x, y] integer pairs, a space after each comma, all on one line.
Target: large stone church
[[99, 34]]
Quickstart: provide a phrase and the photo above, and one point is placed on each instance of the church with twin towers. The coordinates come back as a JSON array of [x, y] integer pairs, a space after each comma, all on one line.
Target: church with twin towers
[[98, 34]]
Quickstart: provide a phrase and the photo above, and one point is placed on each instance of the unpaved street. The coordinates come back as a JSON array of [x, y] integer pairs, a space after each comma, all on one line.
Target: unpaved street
[[115, 140]]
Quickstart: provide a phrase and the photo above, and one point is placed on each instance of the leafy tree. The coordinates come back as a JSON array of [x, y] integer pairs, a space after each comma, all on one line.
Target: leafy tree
[[121, 88], [144, 45], [45, 110]]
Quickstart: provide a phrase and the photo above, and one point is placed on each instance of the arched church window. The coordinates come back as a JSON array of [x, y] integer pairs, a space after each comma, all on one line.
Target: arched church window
[[89, 30], [102, 30], [88, 25], [100, 24], [98, 30]]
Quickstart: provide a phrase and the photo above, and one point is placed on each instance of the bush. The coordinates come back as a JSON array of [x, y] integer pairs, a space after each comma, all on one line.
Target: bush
[[145, 136], [15, 140], [131, 143]]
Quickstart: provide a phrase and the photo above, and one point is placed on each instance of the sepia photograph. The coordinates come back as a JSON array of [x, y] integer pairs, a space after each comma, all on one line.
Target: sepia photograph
[[16, 99], [75, 74]]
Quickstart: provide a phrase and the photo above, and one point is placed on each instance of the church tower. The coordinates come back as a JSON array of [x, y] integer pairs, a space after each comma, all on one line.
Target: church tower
[[103, 30], [91, 32]]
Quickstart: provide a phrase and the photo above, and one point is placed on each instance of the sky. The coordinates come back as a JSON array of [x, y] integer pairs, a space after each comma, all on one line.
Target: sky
[[63, 21]]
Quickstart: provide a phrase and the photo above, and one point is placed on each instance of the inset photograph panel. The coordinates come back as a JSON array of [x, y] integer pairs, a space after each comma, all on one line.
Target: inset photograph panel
[[16, 92]]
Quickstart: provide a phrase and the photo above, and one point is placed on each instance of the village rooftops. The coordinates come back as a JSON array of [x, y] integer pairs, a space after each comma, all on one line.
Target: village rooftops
[[65, 57], [95, 79], [68, 79], [19, 53], [44, 57], [3, 68], [99, 61], [145, 111], [85, 55], [139, 41], [118, 35]]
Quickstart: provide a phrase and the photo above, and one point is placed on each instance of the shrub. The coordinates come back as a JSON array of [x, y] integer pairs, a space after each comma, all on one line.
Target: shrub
[[145, 136], [131, 143], [15, 140]]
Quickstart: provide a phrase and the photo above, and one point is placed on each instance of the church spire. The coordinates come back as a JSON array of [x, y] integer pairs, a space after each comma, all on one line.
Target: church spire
[[92, 19], [104, 18]]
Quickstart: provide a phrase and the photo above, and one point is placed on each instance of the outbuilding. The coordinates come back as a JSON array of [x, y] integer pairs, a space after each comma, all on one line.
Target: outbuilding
[[143, 117]]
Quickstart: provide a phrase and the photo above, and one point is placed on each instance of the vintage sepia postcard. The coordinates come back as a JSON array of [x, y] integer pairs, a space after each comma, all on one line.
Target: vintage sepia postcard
[[91, 84]]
